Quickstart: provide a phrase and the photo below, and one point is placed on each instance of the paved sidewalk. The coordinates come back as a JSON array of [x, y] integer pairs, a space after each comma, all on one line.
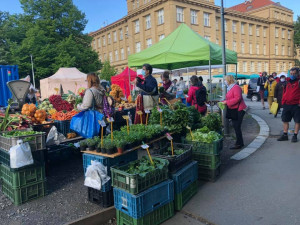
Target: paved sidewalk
[[262, 189]]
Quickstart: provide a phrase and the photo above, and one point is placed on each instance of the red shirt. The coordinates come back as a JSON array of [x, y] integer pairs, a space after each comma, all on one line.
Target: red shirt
[[192, 99], [234, 98], [291, 93]]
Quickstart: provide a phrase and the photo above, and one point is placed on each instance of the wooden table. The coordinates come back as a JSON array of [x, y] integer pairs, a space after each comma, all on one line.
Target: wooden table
[[119, 154]]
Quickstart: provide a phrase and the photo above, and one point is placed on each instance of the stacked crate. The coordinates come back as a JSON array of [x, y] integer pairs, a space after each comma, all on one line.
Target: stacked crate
[[104, 196], [23, 184], [143, 200], [208, 157]]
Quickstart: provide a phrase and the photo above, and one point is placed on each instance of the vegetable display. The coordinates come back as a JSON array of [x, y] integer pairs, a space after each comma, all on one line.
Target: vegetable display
[[59, 104], [176, 152], [18, 133], [116, 92], [46, 105], [212, 121], [204, 135], [28, 109], [63, 115]]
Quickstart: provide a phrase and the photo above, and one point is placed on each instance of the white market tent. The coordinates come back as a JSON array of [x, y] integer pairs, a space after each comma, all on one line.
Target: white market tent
[[71, 79]]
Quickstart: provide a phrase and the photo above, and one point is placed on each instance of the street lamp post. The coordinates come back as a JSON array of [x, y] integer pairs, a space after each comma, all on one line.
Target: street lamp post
[[32, 71]]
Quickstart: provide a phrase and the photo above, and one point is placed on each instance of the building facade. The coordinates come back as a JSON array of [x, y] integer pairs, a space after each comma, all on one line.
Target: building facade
[[260, 31]]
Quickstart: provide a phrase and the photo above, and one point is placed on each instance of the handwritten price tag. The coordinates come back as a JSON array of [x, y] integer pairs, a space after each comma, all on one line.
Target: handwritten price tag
[[102, 123], [147, 111], [169, 137], [145, 146]]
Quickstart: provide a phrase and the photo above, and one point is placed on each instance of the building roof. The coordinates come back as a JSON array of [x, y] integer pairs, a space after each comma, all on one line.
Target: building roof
[[249, 5]]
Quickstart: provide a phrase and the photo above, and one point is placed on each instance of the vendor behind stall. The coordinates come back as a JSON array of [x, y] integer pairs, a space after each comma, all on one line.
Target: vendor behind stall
[[31, 98], [169, 89], [95, 91]]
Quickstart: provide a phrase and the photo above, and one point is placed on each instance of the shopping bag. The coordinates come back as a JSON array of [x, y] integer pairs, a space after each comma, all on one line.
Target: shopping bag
[[257, 89], [274, 108], [20, 155], [86, 123]]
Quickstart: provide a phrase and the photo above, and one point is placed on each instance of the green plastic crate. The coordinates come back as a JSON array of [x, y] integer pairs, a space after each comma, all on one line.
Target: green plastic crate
[[134, 183], [208, 174], [207, 161], [154, 218], [24, 177], [24, 194], [182, 198], [213, 148]]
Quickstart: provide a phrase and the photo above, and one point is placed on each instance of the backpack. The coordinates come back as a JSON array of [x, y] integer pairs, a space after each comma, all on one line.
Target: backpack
[[201, 96], [108, 106]]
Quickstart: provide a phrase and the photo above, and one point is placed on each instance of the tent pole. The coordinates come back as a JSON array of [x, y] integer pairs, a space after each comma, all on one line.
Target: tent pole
[[210, 91], [236, 71]]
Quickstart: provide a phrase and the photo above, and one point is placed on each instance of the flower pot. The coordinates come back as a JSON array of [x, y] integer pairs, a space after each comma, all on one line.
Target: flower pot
[[120, 150], [110, 151], [91, 148], [103, 150], [82, 148]]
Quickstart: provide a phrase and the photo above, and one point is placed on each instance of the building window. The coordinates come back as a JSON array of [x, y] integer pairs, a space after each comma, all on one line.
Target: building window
[[276, 14], [283, 33], [194, 19], [121, 34], [234, 46], [282, 50], [128, 51], [266, 66], [284, 67], [133, 4], [252, 67], [265, 32], [160, 37], [115, 36], [109, 39], [277, 66], [225, 25], [179, 14], [148, 22], [99, 42], [290, 65], [137, 47], [149, 42], [234, 26], [103, 40], [217, 23], [126, 30], [94, 44], [250, 29], [217, 41], [160, 16], [265, 50], [244, 66], [276, 49], [276, 32], [110, 57], [243, 47], [289, 50], [207, 37], [137, 26], [105, 56], [137, 3], [259, 67], [257, 49], [116, 55], [250, 48], [226, 44], [257, 31], [122, 54], [206, 19], [243, 28], [289, 34]]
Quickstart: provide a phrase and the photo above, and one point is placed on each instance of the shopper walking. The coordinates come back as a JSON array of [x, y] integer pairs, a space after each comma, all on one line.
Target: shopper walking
[[291, 105], [270, 86], [279, 92], [261, 86], [197, 95], [234, 100]]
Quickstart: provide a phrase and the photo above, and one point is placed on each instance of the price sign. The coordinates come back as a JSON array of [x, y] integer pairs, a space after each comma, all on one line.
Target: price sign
[[125, 117], [102, 123], [110, 119], [159, 109], [169, 137], [139, 112], [145, 146], [147, 111]]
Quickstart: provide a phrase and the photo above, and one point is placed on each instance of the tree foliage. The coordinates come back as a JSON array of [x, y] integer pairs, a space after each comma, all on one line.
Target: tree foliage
[[297, 32], [107, 71], [52, 32]]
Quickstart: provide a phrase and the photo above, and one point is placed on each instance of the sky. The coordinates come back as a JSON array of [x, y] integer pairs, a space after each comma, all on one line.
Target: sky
[[103, 12]]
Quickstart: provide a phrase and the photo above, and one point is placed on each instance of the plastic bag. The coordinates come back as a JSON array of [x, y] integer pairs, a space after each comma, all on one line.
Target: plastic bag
[[20, 155], [86, 123], [274, 108], [96, 175], [54, 137]]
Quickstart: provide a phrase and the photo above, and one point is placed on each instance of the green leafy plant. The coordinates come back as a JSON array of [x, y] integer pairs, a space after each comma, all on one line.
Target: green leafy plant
[[144, 166], [212, 121], [82, 143], [207, 137], [90, 142]]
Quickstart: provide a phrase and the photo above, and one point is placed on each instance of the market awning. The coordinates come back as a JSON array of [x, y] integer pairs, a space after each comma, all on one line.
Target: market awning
[[239, 76]]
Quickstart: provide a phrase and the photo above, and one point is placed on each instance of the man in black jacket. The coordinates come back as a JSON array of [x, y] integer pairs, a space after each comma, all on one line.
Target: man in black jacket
[[261, 84]]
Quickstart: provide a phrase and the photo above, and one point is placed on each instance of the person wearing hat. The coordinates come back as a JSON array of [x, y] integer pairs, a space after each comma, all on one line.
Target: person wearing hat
[[261, 81], [270, 86], [279, 92]]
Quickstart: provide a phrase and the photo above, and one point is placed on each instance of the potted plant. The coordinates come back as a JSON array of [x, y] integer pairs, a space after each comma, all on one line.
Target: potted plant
[[103, 148], [91, 144], [98, 147], [110, 147], [120, 145], [82, 145]]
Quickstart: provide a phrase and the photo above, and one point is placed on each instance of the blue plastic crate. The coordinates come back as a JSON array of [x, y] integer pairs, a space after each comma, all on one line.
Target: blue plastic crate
[[109, 162], [146, 202], [185, 177]]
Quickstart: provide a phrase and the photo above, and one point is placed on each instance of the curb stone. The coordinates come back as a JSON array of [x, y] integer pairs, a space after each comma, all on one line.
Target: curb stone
[[257, 142]]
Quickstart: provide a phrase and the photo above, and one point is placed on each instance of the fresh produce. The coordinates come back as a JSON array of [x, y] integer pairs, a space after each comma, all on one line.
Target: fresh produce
[[64, 115], [221, 105], [144, 166], [71, 135], [46, 105], [194, 117], [18, 133], [212, 121], [176, 152], [40, 115], [116, 92], [204, 135], [125, 105], [52, 111], [59, 104], [28, 109]]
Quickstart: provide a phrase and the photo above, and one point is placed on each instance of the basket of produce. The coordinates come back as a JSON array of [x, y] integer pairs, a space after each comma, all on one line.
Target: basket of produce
[[139, 175], [62, 121], [182, 155], [36, 140]]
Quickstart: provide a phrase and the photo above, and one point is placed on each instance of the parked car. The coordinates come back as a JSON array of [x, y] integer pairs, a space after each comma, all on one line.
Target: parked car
[[252, 93]]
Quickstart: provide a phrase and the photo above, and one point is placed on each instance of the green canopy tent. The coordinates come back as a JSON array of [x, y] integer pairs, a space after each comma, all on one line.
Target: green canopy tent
[[182, 48], [238, 76]]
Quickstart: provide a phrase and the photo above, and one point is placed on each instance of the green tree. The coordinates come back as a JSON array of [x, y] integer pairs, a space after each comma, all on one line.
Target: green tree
[[52, 32], [107, 71], [297, 32], [4, 47]]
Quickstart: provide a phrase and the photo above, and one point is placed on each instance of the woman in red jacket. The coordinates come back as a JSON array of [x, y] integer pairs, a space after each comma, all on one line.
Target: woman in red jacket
[[196, 85], [234, 100]]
